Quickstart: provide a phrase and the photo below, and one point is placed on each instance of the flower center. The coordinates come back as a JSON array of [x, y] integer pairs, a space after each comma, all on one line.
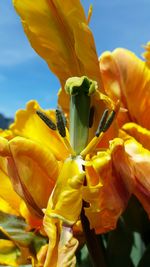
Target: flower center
[[80, 89]]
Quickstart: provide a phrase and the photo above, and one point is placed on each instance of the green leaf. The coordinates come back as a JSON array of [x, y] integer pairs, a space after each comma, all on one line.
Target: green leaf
[[137, 249], [145, 261], [119, 246], [136, 218], [15, 229], [83, 259]]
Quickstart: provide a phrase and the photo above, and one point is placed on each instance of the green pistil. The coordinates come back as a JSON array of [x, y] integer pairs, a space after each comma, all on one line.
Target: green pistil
[[80, 90]]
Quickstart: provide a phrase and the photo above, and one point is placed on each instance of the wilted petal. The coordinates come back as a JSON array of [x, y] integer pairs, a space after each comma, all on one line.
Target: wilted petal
[[29, 125], [140, 159], [109, 187]]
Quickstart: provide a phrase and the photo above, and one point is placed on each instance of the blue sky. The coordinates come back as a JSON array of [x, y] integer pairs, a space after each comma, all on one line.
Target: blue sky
[[24, 75]]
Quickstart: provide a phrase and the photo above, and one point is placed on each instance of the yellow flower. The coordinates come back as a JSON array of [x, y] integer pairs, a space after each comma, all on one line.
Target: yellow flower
[[128, 78], [13, 250], [43, 167]]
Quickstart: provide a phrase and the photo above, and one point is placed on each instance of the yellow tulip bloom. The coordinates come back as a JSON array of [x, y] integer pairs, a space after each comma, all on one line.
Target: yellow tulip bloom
[[43, 166], [127, 77]]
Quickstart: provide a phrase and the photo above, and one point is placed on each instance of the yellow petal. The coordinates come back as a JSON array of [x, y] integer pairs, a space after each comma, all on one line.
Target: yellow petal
[[66, 196], [33, 221], [33, 170], [141, 134], [62, 245], [29, 125], [109, 187], [67, 192], [6, 133], [66, 248], [9, 200], [9, 253], [110, 75], [113, 83], [135, 85], [146, 54], [50, 259], [5, 206], [140, 159], [59, 32]]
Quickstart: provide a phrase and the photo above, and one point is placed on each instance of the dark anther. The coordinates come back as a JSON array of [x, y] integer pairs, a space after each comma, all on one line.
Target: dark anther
[[91, 117], [109, 120], [60, 123], [47, 120], [63, 115], [102, 123]]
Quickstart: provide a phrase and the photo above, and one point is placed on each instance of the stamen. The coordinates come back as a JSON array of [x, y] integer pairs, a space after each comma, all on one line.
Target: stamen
[[109, 121], [47, 120], [91, 146], [60, 123], [63, 115], [102, 123], [91, 116]]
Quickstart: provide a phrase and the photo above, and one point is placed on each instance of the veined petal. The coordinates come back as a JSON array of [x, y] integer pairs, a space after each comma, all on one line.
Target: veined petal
[[135, 85], [9, 200], [33, 171], [59, 32], [140, 159], [108, 196], [29, 125], [141, 134]]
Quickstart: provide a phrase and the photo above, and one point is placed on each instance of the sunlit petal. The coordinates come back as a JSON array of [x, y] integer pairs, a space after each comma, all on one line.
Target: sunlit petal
[[31, 164], [142, 135], [29, 125], [135, 85], [9, 253], [140, 159], [61, 36], [9, 200], [67, 192], [109, 187]]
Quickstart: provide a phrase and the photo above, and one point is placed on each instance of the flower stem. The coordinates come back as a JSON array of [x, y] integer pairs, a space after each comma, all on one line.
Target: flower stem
[[95, 247]]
